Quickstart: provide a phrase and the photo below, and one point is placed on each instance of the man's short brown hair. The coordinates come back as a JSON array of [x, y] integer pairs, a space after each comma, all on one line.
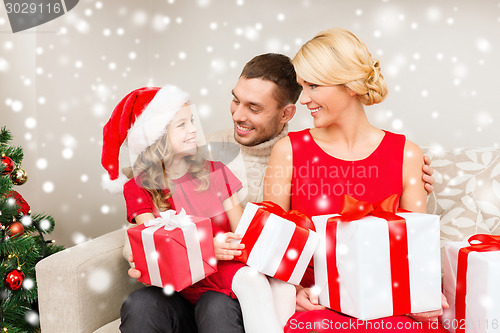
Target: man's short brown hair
[[276, 68]]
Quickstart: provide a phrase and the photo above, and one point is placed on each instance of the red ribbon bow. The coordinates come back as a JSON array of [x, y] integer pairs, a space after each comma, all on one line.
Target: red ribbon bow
[[298, 240], [486, 243], [297, 217], [353, 209]]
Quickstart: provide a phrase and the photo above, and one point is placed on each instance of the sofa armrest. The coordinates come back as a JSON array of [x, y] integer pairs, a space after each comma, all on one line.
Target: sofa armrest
[[82, 288]]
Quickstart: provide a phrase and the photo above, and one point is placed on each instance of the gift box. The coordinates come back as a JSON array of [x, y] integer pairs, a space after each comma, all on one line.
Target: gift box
[[471, 285], [173, 250], [274, 245], [371, 263]]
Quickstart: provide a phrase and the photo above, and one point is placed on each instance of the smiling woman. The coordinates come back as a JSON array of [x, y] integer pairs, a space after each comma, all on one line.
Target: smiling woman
[[339, 77]]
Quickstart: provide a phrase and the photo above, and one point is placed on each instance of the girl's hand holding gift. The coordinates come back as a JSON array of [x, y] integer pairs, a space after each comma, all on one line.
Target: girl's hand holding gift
[[225, 249], [134, 273]]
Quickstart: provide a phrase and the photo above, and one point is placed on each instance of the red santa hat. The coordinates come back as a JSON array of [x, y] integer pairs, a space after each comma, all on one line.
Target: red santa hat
[[141, 118]]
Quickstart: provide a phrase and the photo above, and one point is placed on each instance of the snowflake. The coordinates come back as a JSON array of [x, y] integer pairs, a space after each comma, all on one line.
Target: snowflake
[[140, 18], [201, 234], [483, 45], [42, 163], [32, 318], [26, 220], [28, 283], [168, 290], [45, 224], [397, 124], [30, 122], [105, 209], [4, 65], [48, 187], [99, 280], [433, 14], [292, 254], [78, 238], [315, 290]]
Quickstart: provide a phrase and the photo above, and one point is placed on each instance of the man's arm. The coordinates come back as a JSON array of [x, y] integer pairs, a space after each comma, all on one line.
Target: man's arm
[[427, 177]]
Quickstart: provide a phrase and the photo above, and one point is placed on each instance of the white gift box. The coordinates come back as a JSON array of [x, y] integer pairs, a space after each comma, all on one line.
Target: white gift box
[[271, 253], [482, 311], [363, 264]]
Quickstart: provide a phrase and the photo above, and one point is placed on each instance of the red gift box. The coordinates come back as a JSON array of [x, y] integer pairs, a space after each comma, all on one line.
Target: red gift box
[[174, 250]]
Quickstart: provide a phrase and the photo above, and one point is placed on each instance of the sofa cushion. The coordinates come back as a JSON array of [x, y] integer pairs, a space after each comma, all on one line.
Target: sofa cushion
[[466, 193], [112, 327], [459, 173], [466, 218]]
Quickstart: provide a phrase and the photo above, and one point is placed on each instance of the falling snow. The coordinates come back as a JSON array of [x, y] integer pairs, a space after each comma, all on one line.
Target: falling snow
[[440, 64], [99, 280]]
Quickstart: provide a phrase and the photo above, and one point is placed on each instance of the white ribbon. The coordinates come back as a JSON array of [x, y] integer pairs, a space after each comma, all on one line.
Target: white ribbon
[[169, 220]]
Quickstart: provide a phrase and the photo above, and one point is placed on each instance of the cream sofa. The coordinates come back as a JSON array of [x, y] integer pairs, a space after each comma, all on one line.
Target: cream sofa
[[82, 288]]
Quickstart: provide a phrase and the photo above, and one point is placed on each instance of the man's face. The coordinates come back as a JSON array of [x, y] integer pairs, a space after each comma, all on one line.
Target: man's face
[[256, 114]]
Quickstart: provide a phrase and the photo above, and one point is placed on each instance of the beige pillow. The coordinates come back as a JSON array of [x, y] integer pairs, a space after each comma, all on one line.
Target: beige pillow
[[466, 172], [466, 218]]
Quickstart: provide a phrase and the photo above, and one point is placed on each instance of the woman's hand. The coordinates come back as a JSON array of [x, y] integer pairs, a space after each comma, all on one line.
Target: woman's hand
[[431, 316], [307, 300], [225, 249]]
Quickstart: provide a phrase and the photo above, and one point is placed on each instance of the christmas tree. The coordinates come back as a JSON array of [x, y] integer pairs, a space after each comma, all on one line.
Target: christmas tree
[[22, 244]]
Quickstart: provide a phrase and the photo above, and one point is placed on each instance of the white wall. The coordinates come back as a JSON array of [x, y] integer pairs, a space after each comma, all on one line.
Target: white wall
[[60, 81]]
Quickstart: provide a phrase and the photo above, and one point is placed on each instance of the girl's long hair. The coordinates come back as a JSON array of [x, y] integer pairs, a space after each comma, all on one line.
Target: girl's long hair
[[151, 171]]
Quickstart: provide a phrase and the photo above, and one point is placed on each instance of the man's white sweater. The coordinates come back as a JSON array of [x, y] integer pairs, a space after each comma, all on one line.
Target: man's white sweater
[[248, 163]]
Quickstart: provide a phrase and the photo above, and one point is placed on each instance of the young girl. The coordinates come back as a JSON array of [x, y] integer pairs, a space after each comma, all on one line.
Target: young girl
[[338, 77], [170, 173]]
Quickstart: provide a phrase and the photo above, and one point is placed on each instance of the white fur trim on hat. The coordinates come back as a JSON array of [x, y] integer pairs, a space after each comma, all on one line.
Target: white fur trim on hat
[[114, 186], [152, 122]]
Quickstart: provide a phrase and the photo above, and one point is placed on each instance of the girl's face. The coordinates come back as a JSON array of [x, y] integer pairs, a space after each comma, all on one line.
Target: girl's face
[[326, 103], [182, 133]]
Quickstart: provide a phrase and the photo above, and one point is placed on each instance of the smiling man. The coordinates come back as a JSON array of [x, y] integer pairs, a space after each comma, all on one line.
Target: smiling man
[[263, 102], [263, 99]]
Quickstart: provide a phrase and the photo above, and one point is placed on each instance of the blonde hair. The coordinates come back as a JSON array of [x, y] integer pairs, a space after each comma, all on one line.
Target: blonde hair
[[152, 170], [337, 57]]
